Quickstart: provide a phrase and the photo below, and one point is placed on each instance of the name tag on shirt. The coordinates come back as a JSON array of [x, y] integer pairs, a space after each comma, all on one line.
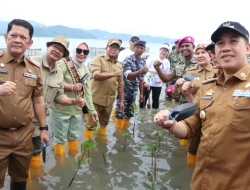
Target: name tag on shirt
[[29, 75], [4, 71], [206, 97], [241, 93]]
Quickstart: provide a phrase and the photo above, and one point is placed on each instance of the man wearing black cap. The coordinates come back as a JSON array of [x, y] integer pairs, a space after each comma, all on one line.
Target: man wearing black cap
[[134, 71], [222, 116], [128, 51]]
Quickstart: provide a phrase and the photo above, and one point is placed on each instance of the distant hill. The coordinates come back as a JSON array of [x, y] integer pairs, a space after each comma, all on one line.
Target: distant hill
[[42, 30]]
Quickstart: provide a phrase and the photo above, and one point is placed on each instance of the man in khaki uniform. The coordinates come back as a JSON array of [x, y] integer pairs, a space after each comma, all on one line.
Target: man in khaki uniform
[[21, 96], [53, 87], [106, 80], [223, 116]]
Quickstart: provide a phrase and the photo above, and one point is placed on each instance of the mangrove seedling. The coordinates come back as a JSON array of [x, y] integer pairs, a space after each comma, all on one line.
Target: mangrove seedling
[[135, 111], [96, 132], [126, 135], [152, 149], [159, 136], [86, 146], [153, 184], [149, 77]]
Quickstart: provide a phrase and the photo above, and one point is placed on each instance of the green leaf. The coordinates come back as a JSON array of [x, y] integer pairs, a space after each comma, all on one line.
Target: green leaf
[[90, 146], [96, 132], [79, 162], [150, 177], [87, 161], [154, 148], [98, 124], [155, 133], [147, 186], [157, 185], [145, 147]]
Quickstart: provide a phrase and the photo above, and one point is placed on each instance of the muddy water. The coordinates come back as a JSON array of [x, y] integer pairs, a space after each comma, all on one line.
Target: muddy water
[[124, 169]]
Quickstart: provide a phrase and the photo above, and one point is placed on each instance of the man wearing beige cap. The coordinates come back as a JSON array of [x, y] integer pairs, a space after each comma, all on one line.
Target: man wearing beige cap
[[106, 80], [53, 86]]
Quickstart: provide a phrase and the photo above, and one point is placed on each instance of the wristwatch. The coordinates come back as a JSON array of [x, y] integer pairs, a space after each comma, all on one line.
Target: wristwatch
[[44, 128], [140, 71]]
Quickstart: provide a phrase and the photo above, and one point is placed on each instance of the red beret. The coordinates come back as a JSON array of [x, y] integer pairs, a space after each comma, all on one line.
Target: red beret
[[187, 39]]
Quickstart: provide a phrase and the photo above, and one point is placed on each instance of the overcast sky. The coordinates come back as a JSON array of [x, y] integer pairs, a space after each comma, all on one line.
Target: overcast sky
[[167, 18]]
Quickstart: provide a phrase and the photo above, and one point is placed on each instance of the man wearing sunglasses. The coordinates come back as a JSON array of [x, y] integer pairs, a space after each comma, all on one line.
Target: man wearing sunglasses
[[128, 51], [53, 87]]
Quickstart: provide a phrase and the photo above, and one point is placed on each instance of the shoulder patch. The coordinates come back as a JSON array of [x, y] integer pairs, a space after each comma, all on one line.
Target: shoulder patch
[[209, 80], [36, 63]]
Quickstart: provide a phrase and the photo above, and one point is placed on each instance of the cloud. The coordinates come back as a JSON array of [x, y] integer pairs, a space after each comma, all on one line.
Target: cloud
[[172, 19]]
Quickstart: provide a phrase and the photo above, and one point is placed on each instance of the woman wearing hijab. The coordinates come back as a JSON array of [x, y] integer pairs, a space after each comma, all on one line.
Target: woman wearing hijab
[[67, 120]]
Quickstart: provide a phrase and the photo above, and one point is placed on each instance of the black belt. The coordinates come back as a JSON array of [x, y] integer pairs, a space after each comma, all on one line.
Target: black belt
[[12, 128]]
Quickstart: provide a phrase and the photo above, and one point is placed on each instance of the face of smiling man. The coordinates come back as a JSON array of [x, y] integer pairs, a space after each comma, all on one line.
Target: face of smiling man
[[231, 50]]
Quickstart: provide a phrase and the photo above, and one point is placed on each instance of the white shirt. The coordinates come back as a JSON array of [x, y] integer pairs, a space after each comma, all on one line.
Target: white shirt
[[124, 53], [152, 77]]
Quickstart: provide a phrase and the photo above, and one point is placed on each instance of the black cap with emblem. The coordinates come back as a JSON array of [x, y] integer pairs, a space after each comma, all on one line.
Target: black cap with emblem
[[230, 25]]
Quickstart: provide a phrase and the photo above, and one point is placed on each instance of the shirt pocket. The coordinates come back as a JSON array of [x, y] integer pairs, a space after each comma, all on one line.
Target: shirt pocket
[[26, 89], [51, 93], [4, 77], [237, 114]]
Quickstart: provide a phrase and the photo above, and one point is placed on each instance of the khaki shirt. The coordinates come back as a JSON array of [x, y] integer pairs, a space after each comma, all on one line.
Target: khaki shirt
[[52, 81], [17, 110], [103, 92], [67, 79], [224, 151], [204, 74]]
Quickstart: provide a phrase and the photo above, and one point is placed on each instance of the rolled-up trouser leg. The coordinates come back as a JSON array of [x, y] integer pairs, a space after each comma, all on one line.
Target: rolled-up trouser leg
[[194, 143]]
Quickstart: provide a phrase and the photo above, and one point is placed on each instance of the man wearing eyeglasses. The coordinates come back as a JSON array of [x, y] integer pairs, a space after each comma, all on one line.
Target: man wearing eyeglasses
[[128, 51], [53, 87]]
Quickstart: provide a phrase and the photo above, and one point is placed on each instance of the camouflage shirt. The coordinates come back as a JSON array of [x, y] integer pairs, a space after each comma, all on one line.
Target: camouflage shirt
[[175, 57], [131, 64], [180, 68]]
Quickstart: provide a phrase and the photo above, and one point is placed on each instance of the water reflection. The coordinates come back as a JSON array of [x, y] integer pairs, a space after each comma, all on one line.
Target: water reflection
[[124, 170]]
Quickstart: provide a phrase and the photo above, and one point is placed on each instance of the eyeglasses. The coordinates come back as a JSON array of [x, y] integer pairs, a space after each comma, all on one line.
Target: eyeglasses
[[79, 51], [58, 47], [134, 41]]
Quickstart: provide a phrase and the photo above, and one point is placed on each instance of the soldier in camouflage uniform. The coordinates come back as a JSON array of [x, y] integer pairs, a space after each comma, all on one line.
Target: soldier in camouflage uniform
[[186, 46], [134, 70], [175, 55]]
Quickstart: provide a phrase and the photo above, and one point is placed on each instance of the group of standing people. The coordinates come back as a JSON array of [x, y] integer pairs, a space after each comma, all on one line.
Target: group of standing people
[[221, 121], [60, 81]]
